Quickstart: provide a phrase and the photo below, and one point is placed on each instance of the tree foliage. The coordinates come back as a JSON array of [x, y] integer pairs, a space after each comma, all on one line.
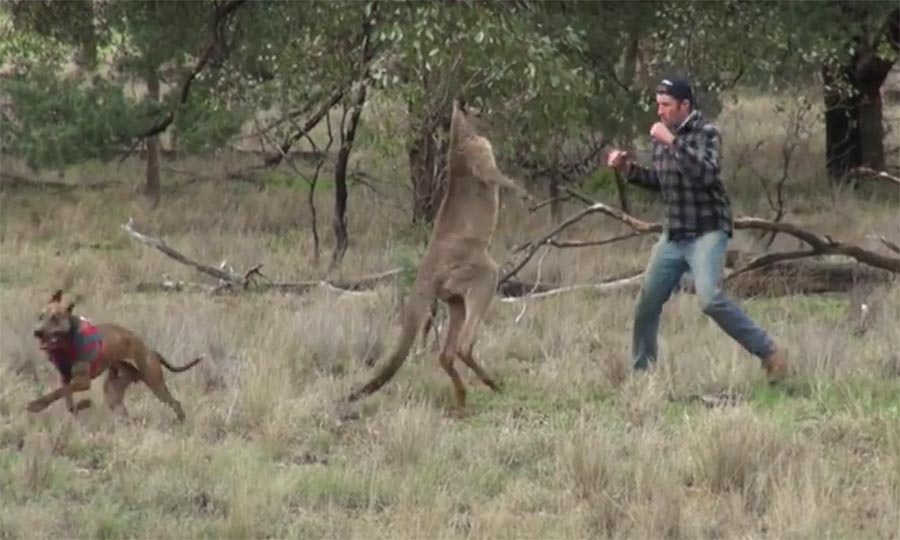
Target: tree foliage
[[554, 76], [73, 64]]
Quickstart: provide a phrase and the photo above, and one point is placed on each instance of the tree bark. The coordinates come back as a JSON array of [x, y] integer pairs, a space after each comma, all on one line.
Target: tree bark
[[339, 222], [152, 183], [554, 192], [854, 129], [427, 169]]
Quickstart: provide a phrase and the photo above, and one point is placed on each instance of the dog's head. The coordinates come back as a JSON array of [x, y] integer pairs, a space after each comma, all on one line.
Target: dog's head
[[56, 322]]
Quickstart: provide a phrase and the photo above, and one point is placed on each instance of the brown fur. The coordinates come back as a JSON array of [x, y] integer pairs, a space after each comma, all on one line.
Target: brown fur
[[457, 267], [124, 358]]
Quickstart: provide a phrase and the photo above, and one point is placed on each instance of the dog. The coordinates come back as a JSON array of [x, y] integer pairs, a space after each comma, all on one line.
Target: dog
[[82, 351]]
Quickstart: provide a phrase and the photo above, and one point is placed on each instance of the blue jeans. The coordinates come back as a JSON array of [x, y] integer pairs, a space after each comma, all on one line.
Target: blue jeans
[[704, 256]]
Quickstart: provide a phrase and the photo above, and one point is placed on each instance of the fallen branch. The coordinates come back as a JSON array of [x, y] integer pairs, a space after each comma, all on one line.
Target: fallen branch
[[769, 259], [881, 175], [231, 281], [563, 244], [640, 227], [805, 276], [782, 278], [610, 286], [163, 247], [888, 244], [547, 202], [821, 245]]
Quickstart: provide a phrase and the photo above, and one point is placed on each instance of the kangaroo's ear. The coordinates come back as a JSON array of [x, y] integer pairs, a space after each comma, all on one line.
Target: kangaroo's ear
[[57, 296]]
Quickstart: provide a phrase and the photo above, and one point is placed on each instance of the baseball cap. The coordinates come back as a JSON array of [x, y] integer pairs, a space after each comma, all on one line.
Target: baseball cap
[[677, 87]]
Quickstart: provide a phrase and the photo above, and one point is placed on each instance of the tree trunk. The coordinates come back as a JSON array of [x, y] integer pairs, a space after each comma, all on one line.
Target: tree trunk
[[554, 193], [427, 168], [631, 58], [854, 129], [314, 219], [871, 129], [152, 183], [173, 143], [842, 150], [339, 222]]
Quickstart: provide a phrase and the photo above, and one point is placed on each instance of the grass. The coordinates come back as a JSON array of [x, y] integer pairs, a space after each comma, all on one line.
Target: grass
[[575, 446]]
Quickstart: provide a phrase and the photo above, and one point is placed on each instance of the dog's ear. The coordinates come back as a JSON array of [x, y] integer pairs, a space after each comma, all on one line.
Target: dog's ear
[[70, 303], [57, 296]]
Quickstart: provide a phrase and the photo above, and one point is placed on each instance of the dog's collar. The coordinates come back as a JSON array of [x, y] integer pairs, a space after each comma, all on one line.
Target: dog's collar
[[84, 344]]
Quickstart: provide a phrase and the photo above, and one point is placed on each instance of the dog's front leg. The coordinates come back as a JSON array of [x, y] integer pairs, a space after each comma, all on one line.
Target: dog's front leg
[[65, 391], [45, 401], [81, 381]]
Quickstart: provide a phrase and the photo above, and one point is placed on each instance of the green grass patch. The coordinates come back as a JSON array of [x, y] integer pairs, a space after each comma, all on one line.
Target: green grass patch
[[831, 308], [339, 484]]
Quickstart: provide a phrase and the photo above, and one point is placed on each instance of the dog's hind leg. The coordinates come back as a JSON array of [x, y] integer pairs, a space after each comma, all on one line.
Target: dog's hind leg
[[153, 377], [117, 380], [161, 391]]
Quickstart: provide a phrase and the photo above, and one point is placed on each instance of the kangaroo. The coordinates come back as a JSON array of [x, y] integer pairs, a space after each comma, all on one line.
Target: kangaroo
[[457, 268]]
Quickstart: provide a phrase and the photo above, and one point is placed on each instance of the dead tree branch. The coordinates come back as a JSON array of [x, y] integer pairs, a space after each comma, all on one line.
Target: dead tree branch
[[551, 200], [609, 286], [823, 245], [888, 244], [163, 247], [563, 244], [306, 127], [866, 172], [233, 281], [819, 245], [640, 227]]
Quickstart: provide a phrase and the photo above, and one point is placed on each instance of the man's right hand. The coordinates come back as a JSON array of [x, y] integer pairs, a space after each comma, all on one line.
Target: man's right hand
[[619, 160]]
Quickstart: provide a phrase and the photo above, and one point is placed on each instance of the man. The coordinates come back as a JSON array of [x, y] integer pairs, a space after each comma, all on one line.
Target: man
[[697, 227]]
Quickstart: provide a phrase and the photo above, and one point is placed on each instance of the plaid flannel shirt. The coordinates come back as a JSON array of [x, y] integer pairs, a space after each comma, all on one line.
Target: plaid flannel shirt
[[689, 176]]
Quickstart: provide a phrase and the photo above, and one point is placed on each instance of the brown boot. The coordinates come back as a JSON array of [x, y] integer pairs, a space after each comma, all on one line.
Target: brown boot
[[776, 365]]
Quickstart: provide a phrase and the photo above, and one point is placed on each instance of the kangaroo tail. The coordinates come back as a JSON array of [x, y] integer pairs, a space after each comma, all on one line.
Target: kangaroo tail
[[177, 369], [414, 313]]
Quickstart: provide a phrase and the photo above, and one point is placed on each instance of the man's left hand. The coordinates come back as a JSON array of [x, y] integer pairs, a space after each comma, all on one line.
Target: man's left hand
[[661, 133]]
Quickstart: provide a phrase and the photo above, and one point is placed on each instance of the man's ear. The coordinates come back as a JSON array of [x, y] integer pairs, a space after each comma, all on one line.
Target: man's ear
[[57, 296]]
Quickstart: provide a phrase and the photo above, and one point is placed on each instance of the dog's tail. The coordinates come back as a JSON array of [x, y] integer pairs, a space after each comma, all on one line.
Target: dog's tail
[[177, 369], [413, 316]]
